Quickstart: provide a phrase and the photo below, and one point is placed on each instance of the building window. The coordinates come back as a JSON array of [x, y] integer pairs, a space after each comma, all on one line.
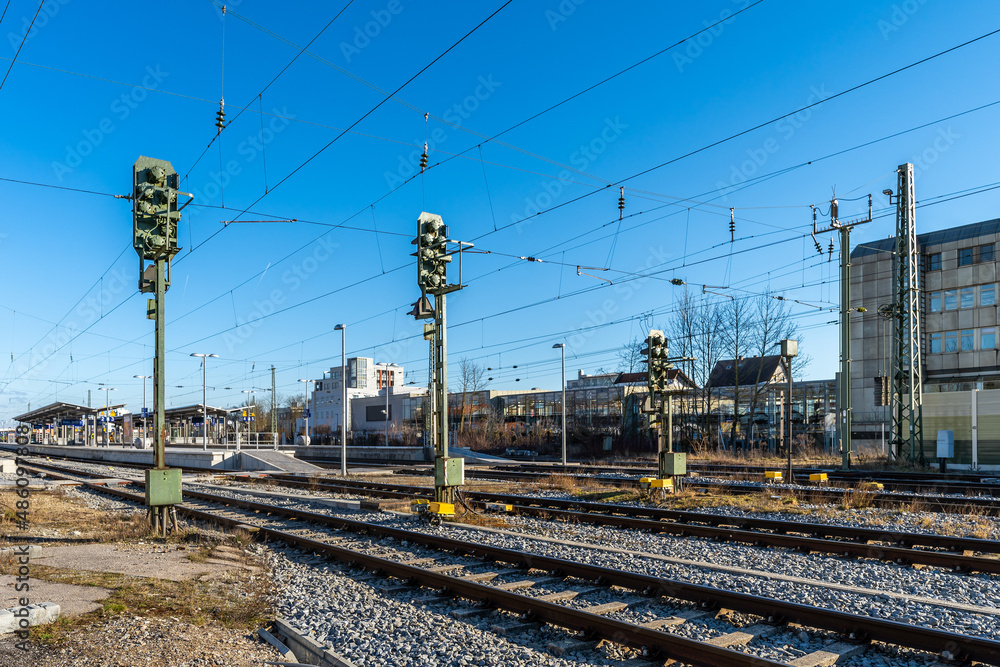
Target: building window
[[951, 341], [968, 297], [950, 299], [935, 302], [934, 262], [987, 339], [987, 295], [966, 256], [967, 340], [986, 253], [935, 342]]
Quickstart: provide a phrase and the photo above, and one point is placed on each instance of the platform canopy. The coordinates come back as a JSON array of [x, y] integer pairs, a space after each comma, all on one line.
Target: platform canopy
[[55, 412], [193, 411]]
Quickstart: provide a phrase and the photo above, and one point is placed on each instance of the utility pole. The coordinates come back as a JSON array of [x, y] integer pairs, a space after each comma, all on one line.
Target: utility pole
[[274, 410], [155, 217], [844, 393], [906, 375], [433, 258]]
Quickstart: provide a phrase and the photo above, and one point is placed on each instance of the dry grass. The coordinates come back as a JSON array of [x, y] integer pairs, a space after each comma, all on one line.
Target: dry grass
[[240, 600], [971, 521], [857, 497], [58, 514], [749, 502]]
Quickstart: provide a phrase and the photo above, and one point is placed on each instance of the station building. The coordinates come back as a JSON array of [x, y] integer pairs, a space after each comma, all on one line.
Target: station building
[[959, 338]]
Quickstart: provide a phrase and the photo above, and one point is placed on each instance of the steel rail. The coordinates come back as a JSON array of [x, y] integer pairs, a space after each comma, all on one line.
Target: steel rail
[[680, 524], [685, 518], [879, 498], [650, 642], [963, 647]]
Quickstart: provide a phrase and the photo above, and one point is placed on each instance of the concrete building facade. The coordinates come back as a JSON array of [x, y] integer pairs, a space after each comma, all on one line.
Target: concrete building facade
[[364, 378], [958, 318]]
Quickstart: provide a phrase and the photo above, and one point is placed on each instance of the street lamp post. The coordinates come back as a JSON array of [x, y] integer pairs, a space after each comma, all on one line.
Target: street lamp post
[[204, 396], [144, 412], [344, 412], [562, 350], [789, 349], [249, 393], [306, 440]]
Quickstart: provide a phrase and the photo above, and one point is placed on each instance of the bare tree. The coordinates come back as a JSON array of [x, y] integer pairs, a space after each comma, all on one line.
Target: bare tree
[[696, 332], [471, 380], [738, 335], [772, 324]]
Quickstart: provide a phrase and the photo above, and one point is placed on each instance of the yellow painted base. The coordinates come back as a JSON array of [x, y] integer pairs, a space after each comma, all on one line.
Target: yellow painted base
[[442, 509], [654, 483]]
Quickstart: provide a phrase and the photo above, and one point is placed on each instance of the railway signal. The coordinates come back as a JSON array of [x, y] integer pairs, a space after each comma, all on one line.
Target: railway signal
[[670, 464], [433, 257], [155, 217]]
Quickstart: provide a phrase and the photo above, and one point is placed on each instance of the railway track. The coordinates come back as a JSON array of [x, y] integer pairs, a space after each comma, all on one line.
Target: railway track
[[884, 499], [949, 552], [909, 481], [273, 522]]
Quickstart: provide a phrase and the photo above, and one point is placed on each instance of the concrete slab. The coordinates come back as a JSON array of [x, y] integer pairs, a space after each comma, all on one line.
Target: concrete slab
[[137, 560], [36, 614], [175, 457], [72, 599]]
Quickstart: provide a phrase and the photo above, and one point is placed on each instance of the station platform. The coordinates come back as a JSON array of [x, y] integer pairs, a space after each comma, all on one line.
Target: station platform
[[184, 457]]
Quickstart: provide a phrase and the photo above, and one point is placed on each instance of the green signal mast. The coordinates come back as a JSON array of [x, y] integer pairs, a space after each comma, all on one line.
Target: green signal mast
[[155, 216], [433, 256], [660, 404]]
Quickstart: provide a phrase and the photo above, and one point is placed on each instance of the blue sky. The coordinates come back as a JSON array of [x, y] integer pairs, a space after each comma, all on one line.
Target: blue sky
[[91, 91]]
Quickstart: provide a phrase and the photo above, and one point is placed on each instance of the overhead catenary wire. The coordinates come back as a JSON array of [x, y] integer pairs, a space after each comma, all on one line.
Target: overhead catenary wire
[[356, 122], [20, 46]]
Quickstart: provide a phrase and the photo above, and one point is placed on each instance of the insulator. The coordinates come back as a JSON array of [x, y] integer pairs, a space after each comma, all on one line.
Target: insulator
[[423, 159], [220, 116], [819, 248], [621, 203], [830, 251], [732, 225]]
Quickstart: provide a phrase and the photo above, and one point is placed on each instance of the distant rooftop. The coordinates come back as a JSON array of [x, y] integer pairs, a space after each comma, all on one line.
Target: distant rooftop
[[976, 229]]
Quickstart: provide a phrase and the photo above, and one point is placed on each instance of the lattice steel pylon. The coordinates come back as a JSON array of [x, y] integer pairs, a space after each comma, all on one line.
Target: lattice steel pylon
[[907, 360]]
